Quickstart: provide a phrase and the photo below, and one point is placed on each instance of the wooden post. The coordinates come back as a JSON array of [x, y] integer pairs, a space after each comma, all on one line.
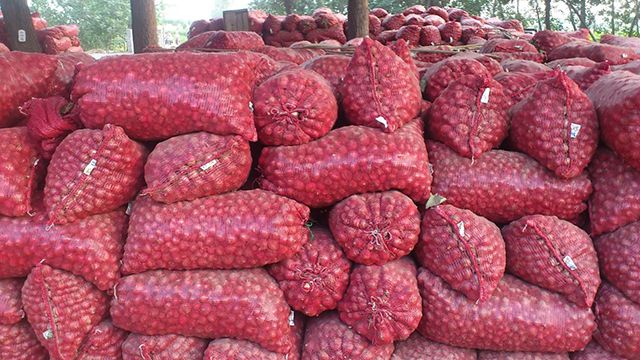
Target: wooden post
[[358, 16], [144, 24], [19, 26]]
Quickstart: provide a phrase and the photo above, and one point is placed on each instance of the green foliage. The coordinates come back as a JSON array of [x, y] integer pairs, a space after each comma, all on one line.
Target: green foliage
[[103, 24]]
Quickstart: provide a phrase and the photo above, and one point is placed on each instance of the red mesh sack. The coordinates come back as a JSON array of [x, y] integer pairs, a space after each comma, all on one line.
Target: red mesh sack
[[385, 37], [547, 40], [518, 317], [18, 342], [472, 35], [507, 355], [306, 24], [325, 18], [410, 33], [314, 279], [618, 253], [331, 67], [243, 229], [184, 92], [450, 32], [10, 301], [166, 347], [517, 86], [23, 76], [557, 125], [263, 65], [531, 56], [272, 24], [506, 185], [376, 228], [379, 12], [633, 42], [580, 61], [434, 20], [388, 161], [525, 66], [234, 40], [282, 54], [256, 20], [294, 107], [430, 36], [509, 24], [597, 52], [104, 341], [436, 10], [415, 9], [243, 304], [382, 303], [326, 338], [401, 48], [191, 166], [379, 89], [417, 347], [594, 351], [62, 308], [197, 27], [472, 21], [464, 249], [49, 121], [633, 67], [507, 45], [492, 65], [3, 48], [618, 321], [555, 255], [616, 98], [470, 115], [20, 172], [90, 248], [332, 33], [290, 22], [68, 65], [393, 21], [375, 26], [586, 76], [93, 172], [441, 74], [414, 19]]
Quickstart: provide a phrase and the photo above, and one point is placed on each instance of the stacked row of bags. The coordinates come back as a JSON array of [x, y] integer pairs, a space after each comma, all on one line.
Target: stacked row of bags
[[141, 219], [54, 40], [417, 25]]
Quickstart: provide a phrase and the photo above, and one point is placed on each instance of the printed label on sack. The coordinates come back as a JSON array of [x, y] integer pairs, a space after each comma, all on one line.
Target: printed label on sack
[[90, 166], [382, 121], [292, 318], [461, 228], [22, 36], [209, 165], [569, 262], [575, 130], [48, 334], [485, 96]]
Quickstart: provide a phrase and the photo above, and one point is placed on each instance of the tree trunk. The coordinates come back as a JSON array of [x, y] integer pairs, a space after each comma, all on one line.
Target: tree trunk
[[358, 15], [536, 6], [547, 14], [19, 27], [144, 25], [288, 6], [583, 14], [634, 22], [613, 16]]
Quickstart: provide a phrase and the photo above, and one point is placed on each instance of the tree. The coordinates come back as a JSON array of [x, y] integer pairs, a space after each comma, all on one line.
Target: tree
[[103, 24]]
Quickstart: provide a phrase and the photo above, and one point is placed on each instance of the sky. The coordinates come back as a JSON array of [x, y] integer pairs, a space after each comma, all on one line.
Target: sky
[[198, 9]]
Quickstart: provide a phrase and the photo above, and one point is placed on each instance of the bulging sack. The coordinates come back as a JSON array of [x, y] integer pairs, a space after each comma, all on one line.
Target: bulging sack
[[347, 161], [11, 301], [62, 308], [464, 249], [18, 342], [170, 347], [331, 67], [93, 172], [241, 229], [507, 185], [614, 55], [518, 317], [157, 96], [376, 228], [555, 255], [618, 321], [191, 166], [594, 351], [417, 347], [49, 121], [379, 89], [104, 341], [243, 304], [382, 302], [314, 279], [20, 172], [585, 76], [520, 355], [557, 125], [437, 77]]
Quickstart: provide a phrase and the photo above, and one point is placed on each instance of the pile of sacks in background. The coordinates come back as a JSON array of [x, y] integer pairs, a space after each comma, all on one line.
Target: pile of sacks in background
[[297, 211], [54, 40]]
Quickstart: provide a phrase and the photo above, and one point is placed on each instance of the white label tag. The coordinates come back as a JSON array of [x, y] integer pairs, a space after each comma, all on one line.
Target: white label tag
[[625, 55], [461, 228], [450, 40], [22, 36], [292, 318], [251, 106], [575, 130], [90, 166], [485, 96], [382, 121], [48, 334], [36, 162], [209, 165], [128, 211], [569, 262]]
